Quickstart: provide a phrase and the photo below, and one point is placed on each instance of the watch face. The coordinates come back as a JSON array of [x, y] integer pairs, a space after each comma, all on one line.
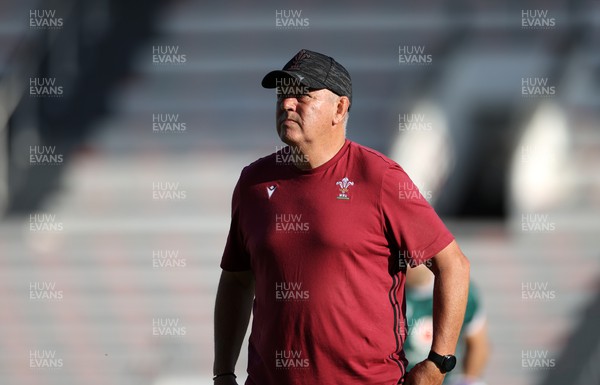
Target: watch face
[[449, 363]]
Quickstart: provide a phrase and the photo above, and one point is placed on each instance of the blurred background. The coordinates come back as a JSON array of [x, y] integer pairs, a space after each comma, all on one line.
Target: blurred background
[[124, 126]]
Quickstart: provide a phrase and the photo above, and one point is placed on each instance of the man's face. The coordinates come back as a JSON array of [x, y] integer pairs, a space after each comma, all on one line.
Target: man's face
[[305, 118]]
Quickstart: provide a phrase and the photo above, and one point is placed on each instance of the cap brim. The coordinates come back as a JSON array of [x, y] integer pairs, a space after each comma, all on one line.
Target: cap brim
[[270, 79]]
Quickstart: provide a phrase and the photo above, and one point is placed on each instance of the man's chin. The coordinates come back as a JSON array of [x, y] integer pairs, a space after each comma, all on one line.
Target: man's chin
[[288, 136], [288, 141]]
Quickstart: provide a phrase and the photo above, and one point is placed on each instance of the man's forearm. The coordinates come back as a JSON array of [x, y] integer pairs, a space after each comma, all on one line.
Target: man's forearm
[[450, 294], [232, 314]]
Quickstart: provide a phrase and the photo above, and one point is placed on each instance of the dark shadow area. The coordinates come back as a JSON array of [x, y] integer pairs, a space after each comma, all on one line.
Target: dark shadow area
[[578, 362], [88, 64]]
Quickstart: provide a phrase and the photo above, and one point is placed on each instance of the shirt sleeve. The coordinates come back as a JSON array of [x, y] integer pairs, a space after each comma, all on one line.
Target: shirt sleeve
[[410, 222], [235, 256]]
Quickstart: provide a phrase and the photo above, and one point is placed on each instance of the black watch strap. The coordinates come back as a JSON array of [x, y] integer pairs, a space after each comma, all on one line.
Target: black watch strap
[[444, 363]]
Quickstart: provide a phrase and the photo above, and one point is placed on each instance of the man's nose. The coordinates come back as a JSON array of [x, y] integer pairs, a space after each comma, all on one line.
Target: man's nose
[[288, 103]]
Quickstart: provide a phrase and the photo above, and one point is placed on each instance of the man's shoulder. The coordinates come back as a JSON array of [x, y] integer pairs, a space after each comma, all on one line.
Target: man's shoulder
[[261, 164], [261, 169], [372, 159]]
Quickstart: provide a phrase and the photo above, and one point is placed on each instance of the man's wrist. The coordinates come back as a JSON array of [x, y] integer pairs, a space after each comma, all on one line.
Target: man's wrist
[[224, 374], [445, 363]]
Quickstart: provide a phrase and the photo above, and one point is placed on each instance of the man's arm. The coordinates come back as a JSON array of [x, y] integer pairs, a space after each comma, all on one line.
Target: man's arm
[[232, 314], [450, 292]]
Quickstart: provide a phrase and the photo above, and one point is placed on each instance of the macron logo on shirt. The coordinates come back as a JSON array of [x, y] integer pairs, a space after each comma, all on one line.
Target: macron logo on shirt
[[271, 190]]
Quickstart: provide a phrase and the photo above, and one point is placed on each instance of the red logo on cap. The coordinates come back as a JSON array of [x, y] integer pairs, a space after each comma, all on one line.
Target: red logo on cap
[[300, 56]]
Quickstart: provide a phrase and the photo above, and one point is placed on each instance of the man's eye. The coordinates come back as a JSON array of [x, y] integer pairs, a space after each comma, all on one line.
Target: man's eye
[[297, 96]]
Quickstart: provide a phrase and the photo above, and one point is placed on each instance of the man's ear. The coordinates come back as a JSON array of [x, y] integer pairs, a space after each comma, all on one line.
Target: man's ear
[[342, 106]]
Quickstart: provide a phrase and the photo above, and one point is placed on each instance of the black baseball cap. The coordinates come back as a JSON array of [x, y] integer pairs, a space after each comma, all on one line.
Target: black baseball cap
[[313, 70]]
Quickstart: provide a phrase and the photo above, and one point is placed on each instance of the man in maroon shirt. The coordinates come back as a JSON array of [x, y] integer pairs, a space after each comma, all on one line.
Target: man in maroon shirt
[[321, 234]]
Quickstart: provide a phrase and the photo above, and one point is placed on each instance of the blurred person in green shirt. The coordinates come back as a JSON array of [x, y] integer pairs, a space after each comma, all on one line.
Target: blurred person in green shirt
[[473, 348]]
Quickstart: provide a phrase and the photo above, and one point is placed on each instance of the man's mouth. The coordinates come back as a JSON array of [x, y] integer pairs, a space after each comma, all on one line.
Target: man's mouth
[[287, 119]]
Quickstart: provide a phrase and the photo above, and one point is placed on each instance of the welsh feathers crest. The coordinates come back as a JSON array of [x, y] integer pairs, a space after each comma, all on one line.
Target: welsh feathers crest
[[344, 184], [299, 58]]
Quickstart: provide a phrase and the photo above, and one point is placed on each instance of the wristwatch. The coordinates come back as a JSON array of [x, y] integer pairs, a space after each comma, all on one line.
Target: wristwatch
[[444, 363]]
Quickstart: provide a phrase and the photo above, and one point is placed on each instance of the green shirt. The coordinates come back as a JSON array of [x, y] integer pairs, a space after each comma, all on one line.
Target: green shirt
[[419, 319]]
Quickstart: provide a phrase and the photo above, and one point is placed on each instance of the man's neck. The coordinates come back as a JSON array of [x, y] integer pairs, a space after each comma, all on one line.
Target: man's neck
[[317, 155]]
